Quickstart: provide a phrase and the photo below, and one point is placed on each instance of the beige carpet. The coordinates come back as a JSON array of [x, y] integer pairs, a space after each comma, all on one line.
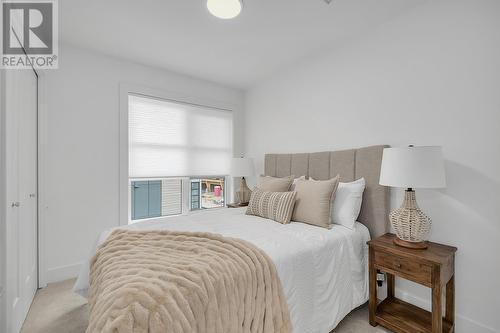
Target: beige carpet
[[56, 309]]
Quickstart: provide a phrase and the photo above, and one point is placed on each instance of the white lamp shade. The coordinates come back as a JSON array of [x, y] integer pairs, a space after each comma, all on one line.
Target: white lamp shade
[[242, 167], [413, 167]]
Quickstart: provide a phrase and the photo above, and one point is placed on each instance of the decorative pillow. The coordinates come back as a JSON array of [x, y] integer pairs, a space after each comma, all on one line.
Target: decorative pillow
[[277, 206], [274, 184], [314, 201], [347, 203], [292, 187]]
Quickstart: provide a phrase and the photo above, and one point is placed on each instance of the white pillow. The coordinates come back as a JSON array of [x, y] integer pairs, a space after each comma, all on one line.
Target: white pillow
[[347, 203]]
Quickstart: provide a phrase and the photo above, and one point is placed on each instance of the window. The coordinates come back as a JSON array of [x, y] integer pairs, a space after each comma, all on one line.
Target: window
[[179, 156], [195, 195]]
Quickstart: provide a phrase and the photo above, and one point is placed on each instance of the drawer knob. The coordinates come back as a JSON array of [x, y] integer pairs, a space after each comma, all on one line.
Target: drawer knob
[[398, 265]]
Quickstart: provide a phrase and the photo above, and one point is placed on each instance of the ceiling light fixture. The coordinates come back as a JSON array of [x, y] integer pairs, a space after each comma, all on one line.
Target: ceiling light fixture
[[225, 9]]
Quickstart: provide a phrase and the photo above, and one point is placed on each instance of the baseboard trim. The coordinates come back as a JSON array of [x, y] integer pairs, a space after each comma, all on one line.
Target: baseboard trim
[[462, 323], [62, 273]]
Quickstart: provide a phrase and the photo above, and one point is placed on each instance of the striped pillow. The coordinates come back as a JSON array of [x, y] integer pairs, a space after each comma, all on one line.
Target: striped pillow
[[277, 206]]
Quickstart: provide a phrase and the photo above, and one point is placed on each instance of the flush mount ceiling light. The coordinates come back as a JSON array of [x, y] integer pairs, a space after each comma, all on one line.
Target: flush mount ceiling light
[[228, 9], [225, 9]]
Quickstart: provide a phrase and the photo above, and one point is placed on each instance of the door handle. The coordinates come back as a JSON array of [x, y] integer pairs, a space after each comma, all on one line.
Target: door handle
[[15, 204], [32, 195]]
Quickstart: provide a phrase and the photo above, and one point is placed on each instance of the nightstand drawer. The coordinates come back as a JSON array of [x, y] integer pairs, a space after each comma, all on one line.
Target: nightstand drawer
[[404, 267]]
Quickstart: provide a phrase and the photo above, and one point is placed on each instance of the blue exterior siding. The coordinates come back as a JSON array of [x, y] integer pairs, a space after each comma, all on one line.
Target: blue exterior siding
[[146, 199]]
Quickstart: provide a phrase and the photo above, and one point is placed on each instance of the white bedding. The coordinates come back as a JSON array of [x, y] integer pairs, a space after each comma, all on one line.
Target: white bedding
[[323, 272]]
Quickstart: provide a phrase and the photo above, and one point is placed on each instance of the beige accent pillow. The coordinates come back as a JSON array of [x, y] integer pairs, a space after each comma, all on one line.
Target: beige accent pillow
[[274, 184], [314, 201], [292, 187], [277, 206]]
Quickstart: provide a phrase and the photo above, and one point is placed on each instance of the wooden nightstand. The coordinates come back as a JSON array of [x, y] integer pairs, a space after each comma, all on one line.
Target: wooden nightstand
[[433, 267], [237, 205]]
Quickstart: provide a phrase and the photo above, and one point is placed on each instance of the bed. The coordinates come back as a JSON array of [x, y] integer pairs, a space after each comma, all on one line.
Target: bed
[[323, 272]]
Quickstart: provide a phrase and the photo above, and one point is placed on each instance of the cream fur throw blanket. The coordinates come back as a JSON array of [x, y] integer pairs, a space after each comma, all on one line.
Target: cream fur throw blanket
[[164, 281]]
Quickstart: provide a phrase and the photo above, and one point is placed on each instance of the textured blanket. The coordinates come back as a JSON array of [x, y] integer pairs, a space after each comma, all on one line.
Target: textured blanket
[[163, 281]]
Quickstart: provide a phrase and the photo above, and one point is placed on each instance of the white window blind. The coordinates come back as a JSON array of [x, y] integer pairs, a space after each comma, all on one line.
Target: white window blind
[[169, 139]]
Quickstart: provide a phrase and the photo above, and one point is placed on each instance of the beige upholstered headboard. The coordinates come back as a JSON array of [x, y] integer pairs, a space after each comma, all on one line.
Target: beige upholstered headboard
[[350, 165]]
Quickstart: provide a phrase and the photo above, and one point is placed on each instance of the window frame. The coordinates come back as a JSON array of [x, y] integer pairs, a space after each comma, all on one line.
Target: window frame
[[124, 199]]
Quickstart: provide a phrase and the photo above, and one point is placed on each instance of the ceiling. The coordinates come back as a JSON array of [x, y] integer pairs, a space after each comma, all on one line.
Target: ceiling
[[180, 35]]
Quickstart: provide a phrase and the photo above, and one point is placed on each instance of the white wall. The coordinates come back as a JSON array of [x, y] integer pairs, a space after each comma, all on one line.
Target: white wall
[[80, 148], [429, 77]]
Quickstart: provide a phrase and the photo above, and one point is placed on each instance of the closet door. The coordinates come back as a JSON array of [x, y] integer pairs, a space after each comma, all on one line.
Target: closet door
[[21, 226]]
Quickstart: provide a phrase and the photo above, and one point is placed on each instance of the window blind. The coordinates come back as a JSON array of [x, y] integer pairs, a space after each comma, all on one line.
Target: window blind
[[169, 139]]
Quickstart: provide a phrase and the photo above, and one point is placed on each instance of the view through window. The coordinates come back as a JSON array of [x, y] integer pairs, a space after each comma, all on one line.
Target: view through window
[[207, 193], [164, 197]]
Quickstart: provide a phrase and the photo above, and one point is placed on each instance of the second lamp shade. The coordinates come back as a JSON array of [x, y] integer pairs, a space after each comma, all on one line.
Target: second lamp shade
[[413, 167]]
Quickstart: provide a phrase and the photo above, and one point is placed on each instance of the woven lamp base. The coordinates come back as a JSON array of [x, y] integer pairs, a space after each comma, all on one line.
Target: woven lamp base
[[244, 193], [412, 226]]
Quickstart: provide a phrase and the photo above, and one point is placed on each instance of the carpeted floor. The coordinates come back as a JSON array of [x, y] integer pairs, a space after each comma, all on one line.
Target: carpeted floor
[[56, 309]]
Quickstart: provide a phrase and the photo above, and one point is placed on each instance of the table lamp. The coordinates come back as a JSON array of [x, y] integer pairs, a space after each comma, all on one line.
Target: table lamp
[[412, 167], [242, 167]]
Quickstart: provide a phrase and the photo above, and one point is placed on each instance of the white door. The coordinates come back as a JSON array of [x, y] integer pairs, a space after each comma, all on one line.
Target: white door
[[21, 187]]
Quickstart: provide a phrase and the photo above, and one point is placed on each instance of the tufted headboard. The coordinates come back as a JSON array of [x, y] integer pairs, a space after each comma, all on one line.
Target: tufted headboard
[[350, 164]]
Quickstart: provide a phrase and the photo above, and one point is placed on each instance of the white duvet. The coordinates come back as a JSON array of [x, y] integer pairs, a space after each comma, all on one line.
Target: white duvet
[[323, 272]]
